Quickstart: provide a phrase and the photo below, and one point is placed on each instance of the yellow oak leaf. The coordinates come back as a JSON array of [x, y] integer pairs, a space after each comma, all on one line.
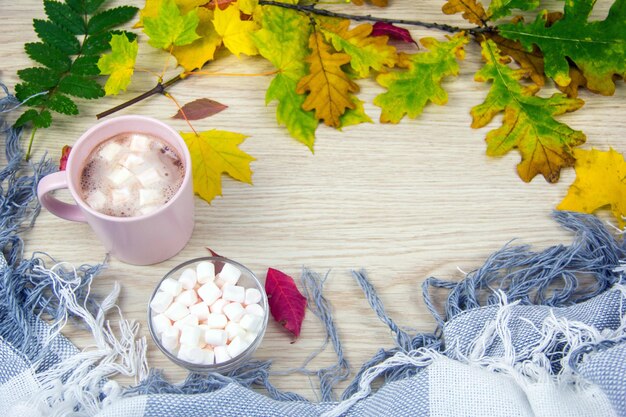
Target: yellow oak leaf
[[600, 181], [328, 85], [152, 7], [213, 153], [235, 32], [366, 52], [200, 51], [473, 11]]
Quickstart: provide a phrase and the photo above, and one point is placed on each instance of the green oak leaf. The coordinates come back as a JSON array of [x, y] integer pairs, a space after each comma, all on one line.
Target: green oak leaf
[[528, 124], [502, 8], [119, 64], [598, 47], [170, 27], [409, 91]]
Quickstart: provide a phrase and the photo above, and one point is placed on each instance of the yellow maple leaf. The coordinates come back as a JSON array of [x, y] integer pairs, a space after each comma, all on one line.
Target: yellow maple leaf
[[235, 32], [366, 52], [200, 51], [328, 85], [600, 181], [152, 7], [213, 153]]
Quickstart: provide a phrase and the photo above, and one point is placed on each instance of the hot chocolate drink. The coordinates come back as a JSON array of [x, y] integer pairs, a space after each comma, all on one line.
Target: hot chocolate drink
[[131, 174]]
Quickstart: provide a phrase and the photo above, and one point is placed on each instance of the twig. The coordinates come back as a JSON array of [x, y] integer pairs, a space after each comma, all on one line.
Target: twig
[[370, 18], [157, 89]]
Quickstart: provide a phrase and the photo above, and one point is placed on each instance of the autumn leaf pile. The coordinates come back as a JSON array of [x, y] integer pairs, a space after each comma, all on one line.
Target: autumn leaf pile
[[320, 61]]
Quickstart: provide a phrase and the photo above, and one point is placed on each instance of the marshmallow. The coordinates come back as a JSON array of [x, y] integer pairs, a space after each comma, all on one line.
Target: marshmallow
[[120, 175], [189, 320], [139, 143], [219, 282], [161, 323], [161, 301], [200, 310], [110, 151], [215, 337], [171, 286], [121, 196], [188, 279], [233, 311], [208, 357], [132, 162], [187, 297], [255, 309], [230, 273], [216, 321], [221, 354], [148, 177], [209, 292], [250, 337], [205, 271], [191, 336], [234, 330], [253, 296], [251, 322], [234, 293], [96, 200], [236, 346], [176, 311], [169, 338], [217, 306], [192, 354], [149, 197]]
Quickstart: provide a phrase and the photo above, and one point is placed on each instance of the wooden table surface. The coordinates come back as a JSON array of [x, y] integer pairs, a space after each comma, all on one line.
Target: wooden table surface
[[404, 201]]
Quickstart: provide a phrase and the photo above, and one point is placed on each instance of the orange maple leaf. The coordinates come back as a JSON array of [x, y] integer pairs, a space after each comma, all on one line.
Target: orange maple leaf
[[328, 85]]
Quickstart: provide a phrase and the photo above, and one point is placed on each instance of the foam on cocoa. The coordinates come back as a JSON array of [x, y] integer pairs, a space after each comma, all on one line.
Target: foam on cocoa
[[131, 174]]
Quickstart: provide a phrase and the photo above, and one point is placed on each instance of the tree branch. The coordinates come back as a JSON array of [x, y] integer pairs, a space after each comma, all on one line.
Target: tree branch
[[370, 18], [157, 89]]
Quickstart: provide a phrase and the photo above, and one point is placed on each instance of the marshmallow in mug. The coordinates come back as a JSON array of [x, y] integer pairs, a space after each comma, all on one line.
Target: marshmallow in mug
[[204, 324]]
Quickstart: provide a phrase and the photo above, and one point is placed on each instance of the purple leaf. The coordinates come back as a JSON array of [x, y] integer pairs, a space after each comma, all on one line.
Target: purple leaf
[[394, 32]]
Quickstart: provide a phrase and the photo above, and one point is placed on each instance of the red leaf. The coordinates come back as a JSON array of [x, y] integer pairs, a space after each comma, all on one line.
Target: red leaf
[[394, 32], [65, 153], [218, 265], [286, 303], [199, 109]]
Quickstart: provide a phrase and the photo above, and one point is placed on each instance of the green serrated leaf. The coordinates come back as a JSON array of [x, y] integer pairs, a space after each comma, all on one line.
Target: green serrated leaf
[[55, 35], [170, 27], [78, 86], [62, 104], [86, 65], [77, 5], [44, 119], [110, 18], [64, 16], [48, 55], [27, 116], [92, 6], [502, 8], [25, 91], [42, 78]]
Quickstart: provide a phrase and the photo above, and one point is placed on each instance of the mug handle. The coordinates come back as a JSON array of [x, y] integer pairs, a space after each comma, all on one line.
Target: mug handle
[[56, 181]]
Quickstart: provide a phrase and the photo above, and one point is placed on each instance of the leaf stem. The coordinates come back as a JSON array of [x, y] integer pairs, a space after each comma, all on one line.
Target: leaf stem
[[369, 18], [30, 143], [157, 89]]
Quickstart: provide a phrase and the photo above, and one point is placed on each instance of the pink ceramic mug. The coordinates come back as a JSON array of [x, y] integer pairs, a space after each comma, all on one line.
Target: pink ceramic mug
[[140, 240]]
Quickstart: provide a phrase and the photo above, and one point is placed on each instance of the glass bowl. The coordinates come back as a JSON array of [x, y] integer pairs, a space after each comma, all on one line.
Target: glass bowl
[[246, 280]]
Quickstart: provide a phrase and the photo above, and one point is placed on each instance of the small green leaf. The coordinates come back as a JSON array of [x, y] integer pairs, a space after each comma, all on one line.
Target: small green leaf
[[56, 36], [48, 55], [77, 5], [91, 6], [86, 65], [62, 104], [78, 86], [64, 16], [24, 91], [170, 27], [110, 18], [42, 78], [27, 116], [119, 64]]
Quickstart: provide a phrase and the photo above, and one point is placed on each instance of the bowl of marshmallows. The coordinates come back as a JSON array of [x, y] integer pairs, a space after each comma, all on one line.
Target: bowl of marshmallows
[[208, 314]]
